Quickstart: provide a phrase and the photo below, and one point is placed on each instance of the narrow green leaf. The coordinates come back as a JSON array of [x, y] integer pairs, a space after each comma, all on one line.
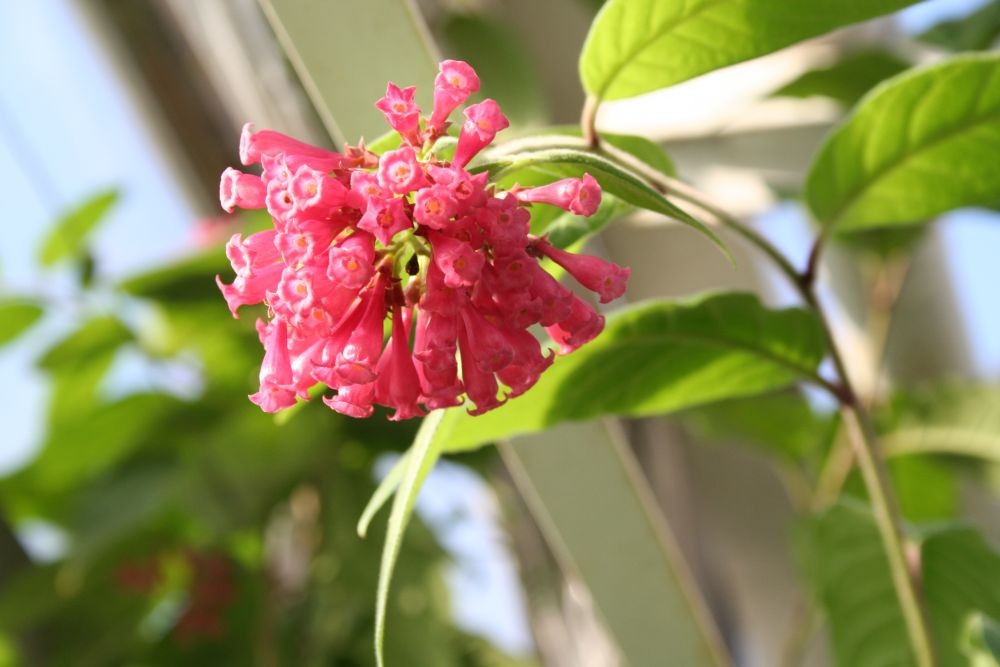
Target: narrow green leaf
[[16, 316], [655, 358], [615, 542], [385, 489], [920, 144], [420, 459], [847, 80], [614, 179], [68, 236], [638, 46], [619, 147]]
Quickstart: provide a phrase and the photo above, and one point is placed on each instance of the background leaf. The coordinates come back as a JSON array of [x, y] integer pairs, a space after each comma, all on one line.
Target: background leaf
[[658, 357], [638, 46], [67, 239], [920, 144], [16, 316], [977, 31], [847, 80]]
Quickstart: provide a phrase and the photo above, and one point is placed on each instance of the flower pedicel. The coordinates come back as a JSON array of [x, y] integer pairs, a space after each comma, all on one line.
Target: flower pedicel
[[358, 237]]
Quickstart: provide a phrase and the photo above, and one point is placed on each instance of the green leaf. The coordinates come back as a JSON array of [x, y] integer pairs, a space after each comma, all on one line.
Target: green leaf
[[976, 32], [982, 641], [614, 179], [919, 145], [853, 585], [615, 541], [783, 423], [961, 575], [68, 237], [16, 316], [638, 46], [955, 418], [655, 358], [847, 80], [505, 68], [419, 460], [95, 339], [644, 153], [568, 229]]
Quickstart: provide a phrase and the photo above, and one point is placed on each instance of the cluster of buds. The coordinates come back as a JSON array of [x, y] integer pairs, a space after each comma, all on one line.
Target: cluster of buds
[[407, 234]]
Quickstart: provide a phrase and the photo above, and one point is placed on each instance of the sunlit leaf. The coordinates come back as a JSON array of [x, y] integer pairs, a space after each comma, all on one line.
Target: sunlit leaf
[[638, 46], [920, 144]]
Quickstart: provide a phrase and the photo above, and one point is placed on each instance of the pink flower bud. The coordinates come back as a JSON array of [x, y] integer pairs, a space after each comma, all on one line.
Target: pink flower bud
[[399, 171], [397, 385], [356, 363], [482, 123], [580, 196], [401, 112], [239, 189], [254, 145], [455, 81], [489, 345], [582, 326], [480, 387], [607, 279]]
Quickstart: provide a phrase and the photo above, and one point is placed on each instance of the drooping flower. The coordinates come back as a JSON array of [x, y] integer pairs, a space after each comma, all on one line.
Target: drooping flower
[[414, 238]]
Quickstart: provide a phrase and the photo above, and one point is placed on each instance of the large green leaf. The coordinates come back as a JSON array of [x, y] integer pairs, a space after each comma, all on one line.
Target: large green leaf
[[920, 144], [16, 316], [615, 178], [638, 46], [419, 460], [655, 358], [961, 576], [68, 236], [844, 558]]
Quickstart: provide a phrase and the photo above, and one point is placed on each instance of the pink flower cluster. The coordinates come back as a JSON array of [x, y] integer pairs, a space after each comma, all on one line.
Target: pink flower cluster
[[448, 258]]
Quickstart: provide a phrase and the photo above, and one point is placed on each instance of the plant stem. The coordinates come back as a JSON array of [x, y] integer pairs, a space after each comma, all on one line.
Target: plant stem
[[856, 420], [588, 122]]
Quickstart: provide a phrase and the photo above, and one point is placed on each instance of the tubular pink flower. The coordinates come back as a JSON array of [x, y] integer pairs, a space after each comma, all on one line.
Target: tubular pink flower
[[401, 112], [506, 224], [280, 203], [468, 191], [580, 196], [489, 345], [434, 346], [459, 262], [555, 298], [258, 270], [302, 240], [385, 218], [528, 364], [482, 122], [400, 172], [275, 392], [239, 189], [582, 326], [350, 261], [434, 206], [357, 362], [353, 400], [314, 193], [397, 385], [456, 80], [254, 145], [364, 185], [480, 387], [605, 278]]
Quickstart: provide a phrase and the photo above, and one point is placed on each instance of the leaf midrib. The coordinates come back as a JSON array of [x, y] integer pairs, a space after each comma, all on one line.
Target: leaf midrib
[[880, 173]]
